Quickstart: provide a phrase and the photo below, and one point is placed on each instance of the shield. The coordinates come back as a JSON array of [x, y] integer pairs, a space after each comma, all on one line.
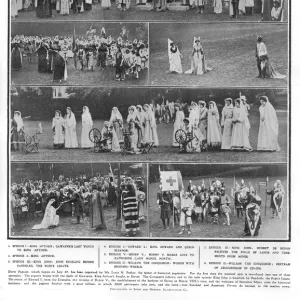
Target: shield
[[278, 200], [252, 217]]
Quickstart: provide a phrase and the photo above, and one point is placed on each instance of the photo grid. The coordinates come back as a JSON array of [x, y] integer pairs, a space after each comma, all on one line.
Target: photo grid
[[149, 119]]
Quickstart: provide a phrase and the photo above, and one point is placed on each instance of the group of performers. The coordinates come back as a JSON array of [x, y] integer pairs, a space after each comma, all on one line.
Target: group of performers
[[54, 53], [197, 204], [81, 197], [271, 10]]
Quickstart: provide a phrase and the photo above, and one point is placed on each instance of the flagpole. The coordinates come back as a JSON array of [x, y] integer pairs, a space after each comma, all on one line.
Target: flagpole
[[234, 194]]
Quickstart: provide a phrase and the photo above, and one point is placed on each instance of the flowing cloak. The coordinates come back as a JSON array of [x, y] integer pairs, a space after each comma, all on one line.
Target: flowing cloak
[[59, 67], [217, 4], [43, 9], [213, 128], [16, 59], [43, 59], [96, 212], [58, 130], [174, 59], [266, 9], [87, 125], [130, 212], [177, 125], [203, 121], [268, 129], [70, 132], [240, 130], [226, 122], [117, 120], [141, 198], [50, 217]]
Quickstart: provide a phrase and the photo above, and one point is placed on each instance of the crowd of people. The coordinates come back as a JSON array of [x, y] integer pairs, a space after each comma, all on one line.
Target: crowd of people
[[83, 196], [54, 54], [271, 10], [197, 203]]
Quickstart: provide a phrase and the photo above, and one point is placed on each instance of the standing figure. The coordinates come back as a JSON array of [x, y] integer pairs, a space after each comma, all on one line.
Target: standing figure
[[16, 57], [43, 8], [17, 131], [225, 208], [268, 127], [13, 9], [214, 138], [132, 121], [226, 124], [70, 130], [179, 116], [217, 4], [153, 126], [174, 58], [97, 220], [116, 120], [148, 137], [187, 206], [233, 8], [240, 128], [64, 7], [87, 125], [203, 111], [165, 201], [120, 70], [58, 128], [105, 4], [59, 67], [200, 4], [141, 125]]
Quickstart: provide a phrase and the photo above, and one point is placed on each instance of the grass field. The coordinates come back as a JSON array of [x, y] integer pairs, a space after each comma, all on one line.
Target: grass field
[[229, 50], [165, 151], [29, 74], [68, 227], [135, 14], [270, 229]]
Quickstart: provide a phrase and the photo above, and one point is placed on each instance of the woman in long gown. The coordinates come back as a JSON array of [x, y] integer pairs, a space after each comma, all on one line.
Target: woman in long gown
[[132, 121], [117, 120], [198, 65], [217, 4], [174, 58], [214, 137], [51, 219], [153, 126], [203, 118], [148, 138], [13, 9], [105, 4], [59, 67], [226, 124], [141, 127], [194, 127], [16, 57], [87, 125], [179, 116], [58, 128], [64, 7], [70, 130], [268, 127], [17, 134], [43, 9], [97, 220], [240, 128]]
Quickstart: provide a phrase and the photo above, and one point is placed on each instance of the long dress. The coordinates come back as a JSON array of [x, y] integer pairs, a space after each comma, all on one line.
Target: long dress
[[43, 9], [177, 125], [240, 130], [96, 212], [64, 7], [147, 132], [142, 204], [43, 59], [105, 3], [217, 4], [50, 217], [59, 68], [175, 61], [87, 125], [16, 59], [268, 129], [58, 131], [203, 122], [117, 121], [70, 132], [213, 128], [13, 8], [131, 119], [266, 9], [242, 6], [130, 212], [154, 128], [226, 122]]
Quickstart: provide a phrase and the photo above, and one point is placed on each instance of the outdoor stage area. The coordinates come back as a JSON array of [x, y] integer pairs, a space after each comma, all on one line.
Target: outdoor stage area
[[229, 50], [165, 151], [270, 229], [68, 227]]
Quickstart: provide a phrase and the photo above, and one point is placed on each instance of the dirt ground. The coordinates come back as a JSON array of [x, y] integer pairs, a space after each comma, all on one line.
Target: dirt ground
[[135, 14], [68, 227], [165, 151], [229, 50], [270, 229]]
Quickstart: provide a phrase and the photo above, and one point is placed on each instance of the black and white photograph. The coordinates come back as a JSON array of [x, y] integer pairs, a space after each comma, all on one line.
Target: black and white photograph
[[219, 201], [85, 54], [96, 200], [151, 10], [219, 55], [154, 124]]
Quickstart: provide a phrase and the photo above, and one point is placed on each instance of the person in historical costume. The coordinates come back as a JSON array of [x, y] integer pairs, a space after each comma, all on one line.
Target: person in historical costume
[[174, 58], [130, 211], [97, 220], [197, 199], [198, 65], [117, 120], [217, 4], [142, 203], [153, 126], [233, 8], [70, 130], [81, 57], [249, 6], [58, 128], [187, 206], [103, 197], [194, 127], [164, 201], [17, 131], [102, 56], [276, 12], [120, 70], [64, 7], [266, 10], [179, 116], [13, 9], [200, 4], [240, 128], [111, 193], [59, 67], [203, 111], [242, 7], [105, 4], [88, 4], [50, 219], [277, 188], [77, 204], [225, 208], [268, 127], [16, 57], [133, 121], [214, 137], [226, 124], [148, 137], [43, 8], [87, 125], [264, 65], [43, 58], [141, 127]]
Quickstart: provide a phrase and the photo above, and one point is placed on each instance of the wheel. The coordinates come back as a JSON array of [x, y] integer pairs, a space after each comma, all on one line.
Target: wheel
[[95, 135], [180, 136]]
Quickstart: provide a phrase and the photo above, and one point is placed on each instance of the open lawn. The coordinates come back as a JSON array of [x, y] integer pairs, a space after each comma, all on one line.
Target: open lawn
[[270, 229], [68, 227], [165, 151], [229, 50]]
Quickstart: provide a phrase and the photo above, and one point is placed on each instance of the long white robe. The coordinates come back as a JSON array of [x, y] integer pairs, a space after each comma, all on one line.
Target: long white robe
[[70, 132], [217, 4], [58, 126], [50, 217], [213, 128], [226, 122], [175, 61], [64, 7], [105, 3], [13, 8], [177, 125], [87, 125], [147, 131]]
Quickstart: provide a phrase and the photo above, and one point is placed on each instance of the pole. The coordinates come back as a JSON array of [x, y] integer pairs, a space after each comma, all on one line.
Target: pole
[[266, 196], [119, 196], [234, 194]]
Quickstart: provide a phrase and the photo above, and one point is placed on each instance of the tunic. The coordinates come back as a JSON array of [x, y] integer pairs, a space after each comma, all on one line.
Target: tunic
[[226, 123]]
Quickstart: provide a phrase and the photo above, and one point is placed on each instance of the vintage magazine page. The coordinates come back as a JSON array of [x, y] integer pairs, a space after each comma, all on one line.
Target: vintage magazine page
[[147, 149]]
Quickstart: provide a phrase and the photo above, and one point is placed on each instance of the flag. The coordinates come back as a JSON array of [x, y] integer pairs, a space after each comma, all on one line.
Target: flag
[[171, 181]]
